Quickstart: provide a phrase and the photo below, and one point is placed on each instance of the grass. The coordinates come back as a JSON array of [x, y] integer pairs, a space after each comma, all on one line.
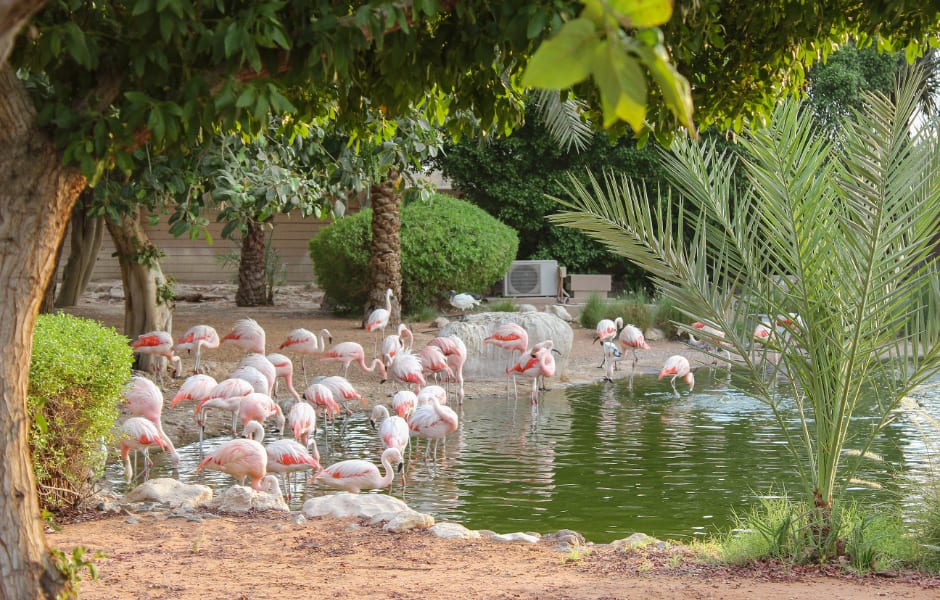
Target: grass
[[635, 308]]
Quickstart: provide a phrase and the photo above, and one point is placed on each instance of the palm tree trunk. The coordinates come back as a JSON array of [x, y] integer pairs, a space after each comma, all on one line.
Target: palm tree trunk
[[35, 200], [85, 243], [385, 252], [252, 285]]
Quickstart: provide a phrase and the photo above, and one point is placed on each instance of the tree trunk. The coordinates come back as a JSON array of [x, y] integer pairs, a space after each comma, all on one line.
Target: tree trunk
[[385, 252], [35, 200], [148, 304], [252, 284], [47, 306], [85, 243]]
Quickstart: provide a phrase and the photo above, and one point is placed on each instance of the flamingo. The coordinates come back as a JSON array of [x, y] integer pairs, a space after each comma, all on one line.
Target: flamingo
[[713, 339], [306, 343], [377, 320], [265, 366], [226, 395], [511, 337], [243, 459], [196, 338], [302, 419], [393, 430], [606, 331], [356, 475], [631, 337], [321, 397], [351, 352], [140, 434], [259, 382], [395, 342], [678, 366], [285, 456], [246, 335], [433, 362], [158, 344], [341, 388], [612, 355], [144, 399], [407, 368], [432, 391], [403, 402], [284, 368], [259, 407], [538, 363], [433, 421], [456, 352], [196, 388]]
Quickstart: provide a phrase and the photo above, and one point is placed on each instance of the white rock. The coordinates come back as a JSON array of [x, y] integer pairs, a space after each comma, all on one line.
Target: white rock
[[407, 520], [170, 491], [454, 531], [637, 540], [559, 311], [240, 498], [489, 361], [440, 322], [344, 504], [515, 537], [526, 308], [654, 334]]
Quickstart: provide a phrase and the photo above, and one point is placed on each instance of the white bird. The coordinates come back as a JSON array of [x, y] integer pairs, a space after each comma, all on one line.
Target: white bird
[[465, 301]]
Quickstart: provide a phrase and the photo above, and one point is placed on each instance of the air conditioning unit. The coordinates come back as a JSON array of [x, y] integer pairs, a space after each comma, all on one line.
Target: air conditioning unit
[[531, 278]]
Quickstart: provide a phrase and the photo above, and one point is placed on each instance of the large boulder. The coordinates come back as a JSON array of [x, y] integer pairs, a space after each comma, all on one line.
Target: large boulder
[[489, 361], [241, 499], [171, 492], [344, 504]]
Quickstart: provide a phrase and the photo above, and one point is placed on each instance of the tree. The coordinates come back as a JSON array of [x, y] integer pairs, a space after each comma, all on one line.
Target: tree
[[831, 242]]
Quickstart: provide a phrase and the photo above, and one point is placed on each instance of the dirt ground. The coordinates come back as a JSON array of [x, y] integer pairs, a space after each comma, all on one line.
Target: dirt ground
[[277, 555]]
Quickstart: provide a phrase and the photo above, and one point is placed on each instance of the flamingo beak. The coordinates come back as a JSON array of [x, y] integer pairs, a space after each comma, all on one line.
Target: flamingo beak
[[371, 422], [401, 467]]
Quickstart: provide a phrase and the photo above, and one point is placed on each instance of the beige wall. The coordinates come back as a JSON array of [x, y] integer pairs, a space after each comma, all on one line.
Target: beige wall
[[195, 261]]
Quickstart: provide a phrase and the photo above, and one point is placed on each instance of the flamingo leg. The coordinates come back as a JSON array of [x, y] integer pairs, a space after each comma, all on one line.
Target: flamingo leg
[[673, 382]]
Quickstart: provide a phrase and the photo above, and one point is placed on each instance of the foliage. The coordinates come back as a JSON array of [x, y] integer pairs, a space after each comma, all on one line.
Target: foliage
[[71, 567], [77, 372], [634, 308], [842, 231], [446, 244]]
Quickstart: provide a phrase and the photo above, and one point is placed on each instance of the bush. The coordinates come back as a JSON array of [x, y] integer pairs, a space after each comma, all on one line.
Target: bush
[[446, 244], [77, 371]]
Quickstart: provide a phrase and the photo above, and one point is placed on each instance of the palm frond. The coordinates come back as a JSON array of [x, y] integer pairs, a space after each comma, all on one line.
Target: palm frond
[[563, 120]]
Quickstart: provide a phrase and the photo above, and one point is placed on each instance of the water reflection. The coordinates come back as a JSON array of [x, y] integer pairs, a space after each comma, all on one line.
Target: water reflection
[[604, 460]]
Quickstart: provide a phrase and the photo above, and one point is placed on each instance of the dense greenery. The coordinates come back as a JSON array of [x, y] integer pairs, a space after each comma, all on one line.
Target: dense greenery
[[446, 244], [76, 375], [831, 243]]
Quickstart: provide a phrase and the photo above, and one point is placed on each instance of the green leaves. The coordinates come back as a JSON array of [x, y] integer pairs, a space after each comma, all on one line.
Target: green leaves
[[594, 45]]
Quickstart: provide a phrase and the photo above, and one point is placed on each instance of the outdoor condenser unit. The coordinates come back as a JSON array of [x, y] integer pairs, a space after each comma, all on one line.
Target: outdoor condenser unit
[[531, 278]]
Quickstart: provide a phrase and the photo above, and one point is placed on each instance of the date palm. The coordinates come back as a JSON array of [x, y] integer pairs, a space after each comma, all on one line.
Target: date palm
[[839, 232]]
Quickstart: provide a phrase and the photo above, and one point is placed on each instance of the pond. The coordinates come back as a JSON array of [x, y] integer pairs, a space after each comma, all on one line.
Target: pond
[[603, 460]]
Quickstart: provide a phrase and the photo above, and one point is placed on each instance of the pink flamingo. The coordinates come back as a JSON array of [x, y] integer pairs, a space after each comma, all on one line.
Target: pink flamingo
[[306, 343], [321, 397], [631, 337], [714, 339], [195, 389], [243, 459], [403, 402], [356, 475], [265, 366], [342, 389], [259, 407], [302, 419], [606, 331], [140, 435], [259, 382], [407, 368], [393, 430], [538, 363], [431, 391], [226, 395], [377, 320], [395, 342], [144, 399], [285, 456], [433, 421], [456, 352], [246, 335], [511, 337], [284, 368], [158, 344], [678, 366], [351, 352], [195, 339], [433, 362]]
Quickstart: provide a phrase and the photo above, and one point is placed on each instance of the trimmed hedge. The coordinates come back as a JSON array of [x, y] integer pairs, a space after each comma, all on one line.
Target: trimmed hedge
[[446, 243], [77, 371]]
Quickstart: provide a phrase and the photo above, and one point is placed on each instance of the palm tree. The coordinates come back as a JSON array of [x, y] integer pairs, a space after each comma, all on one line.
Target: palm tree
[[837, 232]]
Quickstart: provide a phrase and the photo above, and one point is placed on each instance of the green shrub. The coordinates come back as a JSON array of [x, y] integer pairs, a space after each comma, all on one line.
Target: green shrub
[[76, 374], [446, 243]]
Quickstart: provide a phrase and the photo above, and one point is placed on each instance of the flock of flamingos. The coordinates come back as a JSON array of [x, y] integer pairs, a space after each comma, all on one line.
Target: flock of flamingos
[[248, 394]]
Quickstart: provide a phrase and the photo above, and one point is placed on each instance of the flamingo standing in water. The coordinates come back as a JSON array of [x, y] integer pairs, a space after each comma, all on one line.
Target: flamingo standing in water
[[631, 337], [260, 407], [433, 421], [678, 366], [259, 382], [243, 459], [612, 355], [356, 475], [395, 342], [535, 364], [606, 331], [433, 362], [144, 399], [306, 343], [456, 352], [195, 339], [196, 388], [403, 402], [321, 397], [285, 456], [284, 368], [265, 366], [347, 353], [158, 344], [509, 336], [246, 335], [302, 420], [713, 339], [226, 395], [393, 430], [377, 320], [407, 368], [138, 434]]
